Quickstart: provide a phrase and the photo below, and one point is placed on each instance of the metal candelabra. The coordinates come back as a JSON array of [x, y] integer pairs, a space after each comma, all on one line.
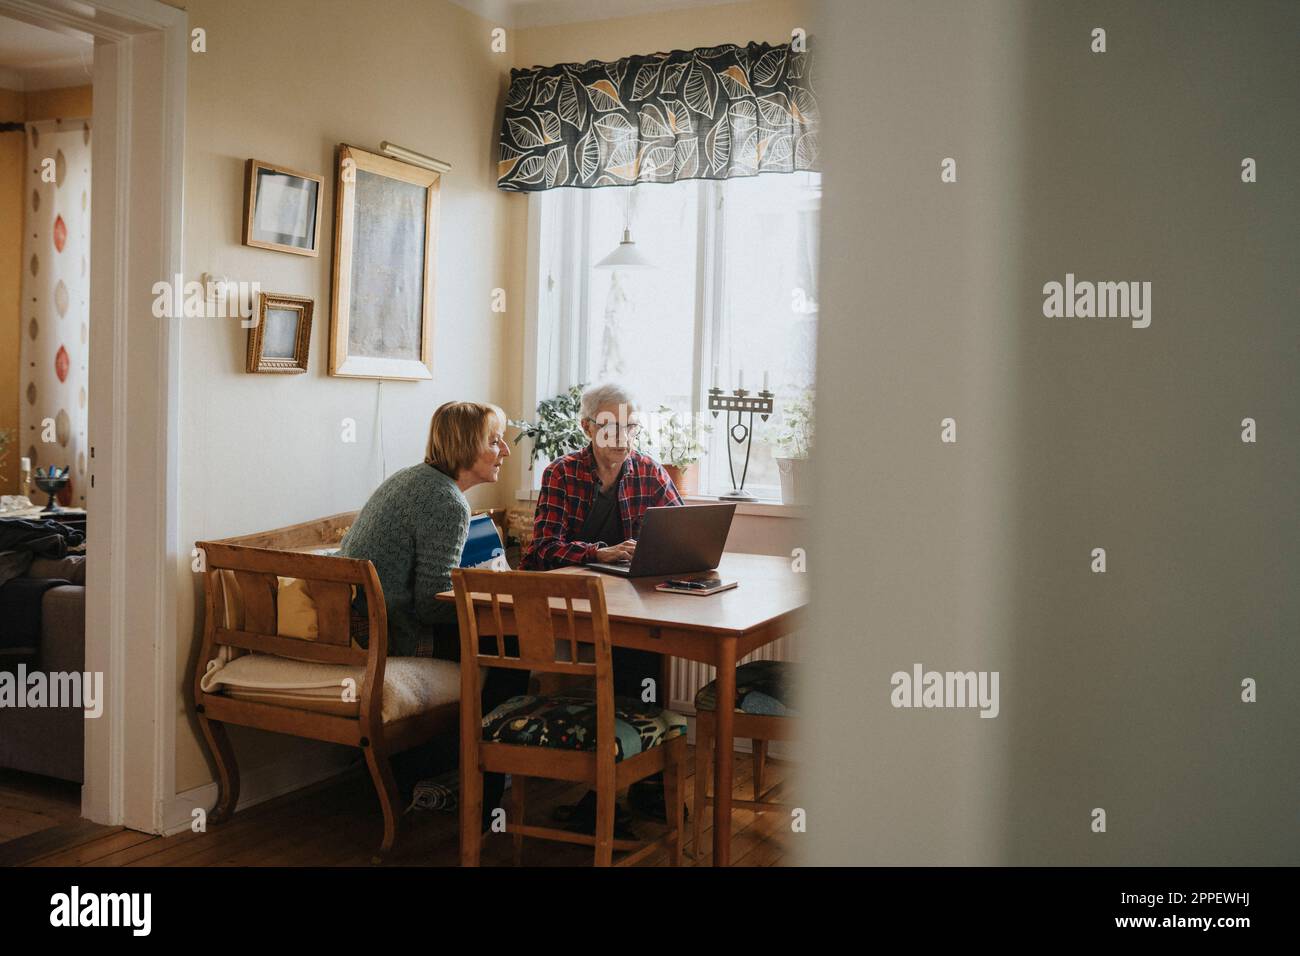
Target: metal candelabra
[[741, 433]]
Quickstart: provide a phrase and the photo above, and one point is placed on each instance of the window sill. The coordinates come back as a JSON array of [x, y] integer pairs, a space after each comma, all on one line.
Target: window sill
[[766, 508]]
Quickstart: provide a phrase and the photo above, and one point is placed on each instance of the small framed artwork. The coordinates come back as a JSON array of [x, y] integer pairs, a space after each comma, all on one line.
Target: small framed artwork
[[281, 336], [385, 236], [281, 209]]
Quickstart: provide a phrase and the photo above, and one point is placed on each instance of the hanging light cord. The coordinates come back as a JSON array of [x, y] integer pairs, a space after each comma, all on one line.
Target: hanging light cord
[[379, 429]]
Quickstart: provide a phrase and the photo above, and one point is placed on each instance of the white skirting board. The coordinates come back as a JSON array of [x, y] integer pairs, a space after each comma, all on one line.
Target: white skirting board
[[261, 784]]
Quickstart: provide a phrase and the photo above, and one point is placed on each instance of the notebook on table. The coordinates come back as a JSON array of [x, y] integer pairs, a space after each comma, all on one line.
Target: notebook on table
[[709, 583]]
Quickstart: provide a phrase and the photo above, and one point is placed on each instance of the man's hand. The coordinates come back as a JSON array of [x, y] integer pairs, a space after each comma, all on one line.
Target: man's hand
[[617, 552]]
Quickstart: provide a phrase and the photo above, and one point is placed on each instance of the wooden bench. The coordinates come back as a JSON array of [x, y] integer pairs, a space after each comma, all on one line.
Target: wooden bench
[[241, 586]]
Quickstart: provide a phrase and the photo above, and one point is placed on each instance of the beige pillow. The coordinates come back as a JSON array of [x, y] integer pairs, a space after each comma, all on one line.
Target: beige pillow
[[295, 610]]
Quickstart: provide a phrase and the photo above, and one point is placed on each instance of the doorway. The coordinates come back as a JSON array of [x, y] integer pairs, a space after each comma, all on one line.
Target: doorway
[[131, 445], [45, 159]]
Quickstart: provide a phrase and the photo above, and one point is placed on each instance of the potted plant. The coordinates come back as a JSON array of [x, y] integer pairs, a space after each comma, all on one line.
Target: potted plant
[[794, 448], [680, 447], [557, 430]]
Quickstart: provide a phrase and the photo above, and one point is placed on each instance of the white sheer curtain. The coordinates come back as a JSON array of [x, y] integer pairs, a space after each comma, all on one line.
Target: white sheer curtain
[[734, 286]]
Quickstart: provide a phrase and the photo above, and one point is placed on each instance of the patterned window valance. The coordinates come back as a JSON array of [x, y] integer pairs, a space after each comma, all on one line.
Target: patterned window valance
[[711, 113]]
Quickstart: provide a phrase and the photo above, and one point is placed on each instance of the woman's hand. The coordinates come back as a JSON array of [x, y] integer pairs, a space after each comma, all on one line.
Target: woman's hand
[[617, 552]]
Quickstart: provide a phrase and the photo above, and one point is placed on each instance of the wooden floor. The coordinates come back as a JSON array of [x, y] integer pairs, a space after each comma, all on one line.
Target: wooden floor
[[337, 823], [30, 804]]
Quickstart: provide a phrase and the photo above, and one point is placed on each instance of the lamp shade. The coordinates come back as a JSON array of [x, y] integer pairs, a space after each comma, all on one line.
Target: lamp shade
[[625, 256]]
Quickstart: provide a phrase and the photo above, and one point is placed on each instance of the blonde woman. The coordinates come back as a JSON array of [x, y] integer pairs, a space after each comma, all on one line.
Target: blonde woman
[[413, 530]]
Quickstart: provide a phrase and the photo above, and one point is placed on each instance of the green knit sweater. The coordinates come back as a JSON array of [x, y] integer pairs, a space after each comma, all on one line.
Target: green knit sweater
[[413, 530]]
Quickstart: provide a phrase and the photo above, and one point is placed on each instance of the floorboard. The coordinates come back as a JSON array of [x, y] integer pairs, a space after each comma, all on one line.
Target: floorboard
[[30, 803], [337, 822]]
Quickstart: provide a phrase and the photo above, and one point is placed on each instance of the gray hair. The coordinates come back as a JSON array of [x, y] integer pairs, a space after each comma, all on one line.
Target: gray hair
[[606, 393]]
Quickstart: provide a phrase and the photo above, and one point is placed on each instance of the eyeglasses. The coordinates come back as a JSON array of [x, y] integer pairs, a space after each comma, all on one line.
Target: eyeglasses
[[630, 430]]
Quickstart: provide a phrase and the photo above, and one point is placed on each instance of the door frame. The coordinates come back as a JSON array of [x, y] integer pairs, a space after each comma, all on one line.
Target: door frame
[[134, 559]]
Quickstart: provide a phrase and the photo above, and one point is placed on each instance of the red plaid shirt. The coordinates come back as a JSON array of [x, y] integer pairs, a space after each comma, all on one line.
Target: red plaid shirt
[[568, 489]]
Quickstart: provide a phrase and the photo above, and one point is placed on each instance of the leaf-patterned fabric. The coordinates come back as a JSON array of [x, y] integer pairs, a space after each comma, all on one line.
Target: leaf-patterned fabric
[[569, 723], [711, 113]]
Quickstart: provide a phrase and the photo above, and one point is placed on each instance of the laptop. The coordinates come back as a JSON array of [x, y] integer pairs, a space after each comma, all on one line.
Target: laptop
[[676, 539]]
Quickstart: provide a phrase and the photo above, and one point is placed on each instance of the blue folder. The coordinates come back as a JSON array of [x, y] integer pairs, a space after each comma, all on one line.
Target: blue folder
[[483, 543]]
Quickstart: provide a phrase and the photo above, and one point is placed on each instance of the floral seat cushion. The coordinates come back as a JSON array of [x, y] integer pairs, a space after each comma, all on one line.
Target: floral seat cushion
[[569, 723], [763, 688]]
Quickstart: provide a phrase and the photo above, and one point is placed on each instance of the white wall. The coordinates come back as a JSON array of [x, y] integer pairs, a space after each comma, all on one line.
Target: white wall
[[286, 82]]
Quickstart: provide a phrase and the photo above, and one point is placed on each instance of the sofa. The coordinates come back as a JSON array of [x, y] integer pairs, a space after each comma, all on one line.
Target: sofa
[[50, 741]]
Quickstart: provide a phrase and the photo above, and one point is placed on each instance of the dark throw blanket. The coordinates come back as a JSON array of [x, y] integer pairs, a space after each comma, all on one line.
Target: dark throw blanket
[[46, 538]]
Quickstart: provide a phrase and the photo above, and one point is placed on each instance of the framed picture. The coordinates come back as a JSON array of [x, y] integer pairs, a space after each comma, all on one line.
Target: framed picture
[[385, 236], [281, 209], [281, 336]]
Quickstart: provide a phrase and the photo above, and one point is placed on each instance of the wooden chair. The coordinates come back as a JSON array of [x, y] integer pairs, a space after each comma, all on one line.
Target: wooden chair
[[759, 728], [252, 565], [535, 602]]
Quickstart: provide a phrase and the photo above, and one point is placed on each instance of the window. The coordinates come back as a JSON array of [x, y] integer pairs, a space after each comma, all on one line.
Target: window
[[732, 288]]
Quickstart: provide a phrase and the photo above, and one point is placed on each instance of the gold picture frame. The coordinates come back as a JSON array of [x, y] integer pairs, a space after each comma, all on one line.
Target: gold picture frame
[[282, 208], [280, 338], [385, 243]]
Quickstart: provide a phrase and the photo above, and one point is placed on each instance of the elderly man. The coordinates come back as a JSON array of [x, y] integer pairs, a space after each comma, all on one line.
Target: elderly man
[[590, 508], [592, 501]]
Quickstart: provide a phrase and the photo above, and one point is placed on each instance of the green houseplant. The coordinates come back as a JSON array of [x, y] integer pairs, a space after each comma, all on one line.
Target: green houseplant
[[679, 444], [557, 430], [793, 445]]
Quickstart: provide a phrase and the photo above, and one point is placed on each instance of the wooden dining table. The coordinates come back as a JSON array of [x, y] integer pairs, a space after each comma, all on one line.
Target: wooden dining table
[[717, 629]]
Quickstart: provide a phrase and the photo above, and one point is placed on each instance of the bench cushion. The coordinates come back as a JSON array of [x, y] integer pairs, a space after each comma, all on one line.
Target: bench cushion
[[569, 723], [763, 688], [295, 610], [412, 685]]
